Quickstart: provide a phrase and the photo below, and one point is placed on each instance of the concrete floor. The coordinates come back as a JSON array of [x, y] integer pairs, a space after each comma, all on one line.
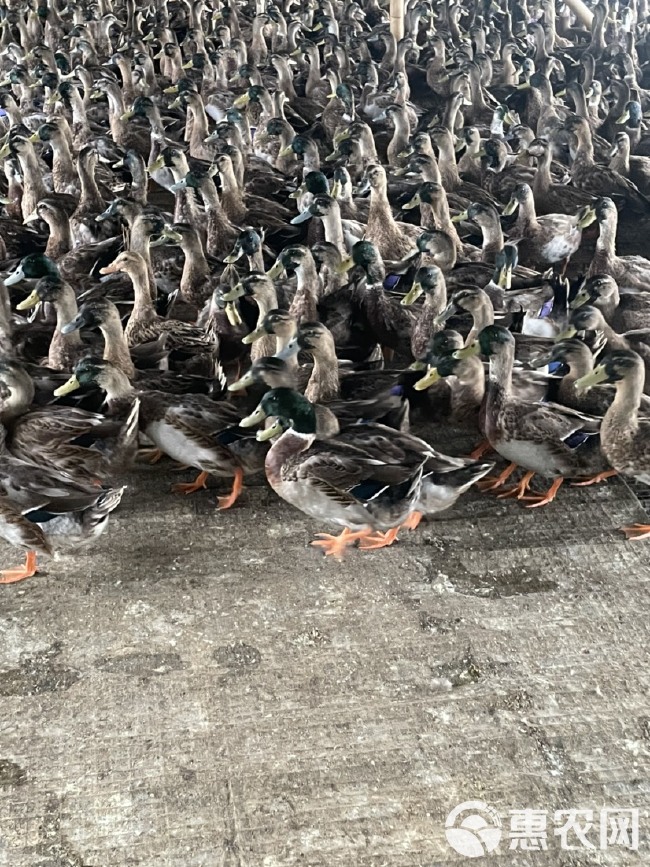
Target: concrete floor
[[205, 689]]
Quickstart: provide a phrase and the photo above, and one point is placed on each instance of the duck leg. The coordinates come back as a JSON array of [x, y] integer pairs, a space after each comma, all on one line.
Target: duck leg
[[10, 576], [637, 532], [151, 456], [336, 546], [548, 497], [481, 449], [490, 483], [237, 488], [520, 489], [379, 540], [412, 522], [191, 487], [593, 480]]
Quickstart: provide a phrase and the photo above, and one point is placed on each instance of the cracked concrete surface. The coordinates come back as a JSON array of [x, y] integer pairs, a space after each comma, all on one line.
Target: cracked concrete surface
[[204, 689]]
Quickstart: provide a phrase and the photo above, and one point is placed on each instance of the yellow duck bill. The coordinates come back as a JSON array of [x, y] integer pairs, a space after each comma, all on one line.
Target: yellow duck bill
[[270, 432], [31, 301], [428, 379], [256, 417], [597, 376], [71, 385]]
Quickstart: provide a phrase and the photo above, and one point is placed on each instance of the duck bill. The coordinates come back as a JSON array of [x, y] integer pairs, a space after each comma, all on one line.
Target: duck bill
[[504, 280], [624, 117], [330, 158], [431, 377], [233, 257], [542, 360], [256, 417], [581, 298], [270, 432], [301, 218], [275, 271], [335, 192], [460, 217], [127, 115], [176, 103], [446, 314], [286, 152], [510, 208], [412, 295], [74, 325], [345, 265], [71, 385], [17, 277], [587, 218], [34, 137], [233, 294], [254, 336], [31, 218], [242, 383], [233, 315], [468, 351], [566, 334], [156, 165], [413, 203], [109, 269], [242, 101], [597, 376], [31, 301], [188, 65]]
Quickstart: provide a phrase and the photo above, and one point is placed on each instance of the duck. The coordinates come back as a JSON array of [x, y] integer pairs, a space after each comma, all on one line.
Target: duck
[[628, 271], [625, 437], [191, 429], [367, 480], [43, 511], [543, 438], [548, 239]]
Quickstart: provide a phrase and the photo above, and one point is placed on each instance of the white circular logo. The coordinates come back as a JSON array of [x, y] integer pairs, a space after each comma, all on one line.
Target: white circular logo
[[475, 834]]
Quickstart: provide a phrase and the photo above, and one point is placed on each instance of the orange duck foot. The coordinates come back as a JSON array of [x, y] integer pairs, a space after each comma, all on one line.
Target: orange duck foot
[[491, 483], [520, 489], [637, 532], [151, 456], [191, 487], [412, 522], [599, 477], [10, 576], [237, 488], [480, 450], [336, 546], [379, 540], [548, 497]]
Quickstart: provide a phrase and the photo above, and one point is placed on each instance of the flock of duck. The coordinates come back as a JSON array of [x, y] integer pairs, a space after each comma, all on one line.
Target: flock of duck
[[275, 238]]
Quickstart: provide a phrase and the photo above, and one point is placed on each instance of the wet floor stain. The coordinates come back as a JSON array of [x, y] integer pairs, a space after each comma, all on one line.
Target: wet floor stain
[[11, 774], [35, 676], [492, 584], [238, 657], [458, 672], [437, 625], [140, 664]]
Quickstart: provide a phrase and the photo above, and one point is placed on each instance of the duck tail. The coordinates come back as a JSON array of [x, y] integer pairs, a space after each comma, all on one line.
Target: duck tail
[[462, 478]]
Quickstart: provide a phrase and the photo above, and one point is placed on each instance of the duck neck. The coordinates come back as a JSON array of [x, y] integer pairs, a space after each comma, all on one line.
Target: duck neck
[[499, 384], [526, 222], [33, 186], [90, 196], [59, 241], [199, 127], [143, 306], [584, 152], [492, 239], [118, 388], [323, 386], [623, 414], [116, 109], [116, 348], [63, 170], [334, 229], [304, 303], [543, 180], [231, 196], [482, 316], [196, 272]]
